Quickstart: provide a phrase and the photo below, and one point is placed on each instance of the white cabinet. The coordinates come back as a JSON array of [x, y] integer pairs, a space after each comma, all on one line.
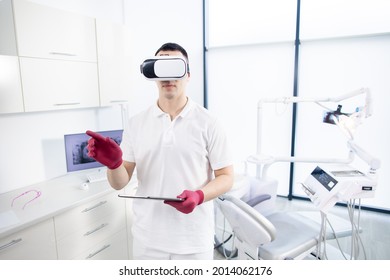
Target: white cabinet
[[46, 32], [93, 231], [57, 52], [34, 243], [58, 84], [114, 56], [7, 29], [66, 60], [58, 62], [11, 98]]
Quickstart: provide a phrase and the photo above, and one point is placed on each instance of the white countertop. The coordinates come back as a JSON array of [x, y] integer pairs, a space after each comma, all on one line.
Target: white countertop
[[57, 195]]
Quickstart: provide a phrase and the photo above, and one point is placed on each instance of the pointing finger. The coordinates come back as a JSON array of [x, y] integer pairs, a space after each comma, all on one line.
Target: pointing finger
[[95, 135]]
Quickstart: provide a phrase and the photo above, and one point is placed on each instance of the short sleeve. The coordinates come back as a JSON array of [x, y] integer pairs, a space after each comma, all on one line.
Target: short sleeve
[[218, 147]]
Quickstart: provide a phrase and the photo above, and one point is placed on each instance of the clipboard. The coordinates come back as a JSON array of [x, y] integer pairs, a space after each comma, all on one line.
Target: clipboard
[[151, 197]]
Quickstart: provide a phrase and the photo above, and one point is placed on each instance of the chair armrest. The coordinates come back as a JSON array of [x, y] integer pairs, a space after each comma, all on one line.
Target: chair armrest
[[258, 199]]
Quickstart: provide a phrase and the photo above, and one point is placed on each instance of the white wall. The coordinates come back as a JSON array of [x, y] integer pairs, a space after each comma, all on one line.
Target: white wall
[[250, 57], [155, 23], [31, 144], [238, 78]]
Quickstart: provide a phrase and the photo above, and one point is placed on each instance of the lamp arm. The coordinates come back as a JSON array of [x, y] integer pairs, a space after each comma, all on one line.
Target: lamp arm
[[372, 161], [350, 94], [298, 99]]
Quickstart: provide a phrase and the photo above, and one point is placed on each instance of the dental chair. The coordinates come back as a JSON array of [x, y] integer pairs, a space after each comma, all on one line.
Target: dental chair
[[261, 233], [278, 236]]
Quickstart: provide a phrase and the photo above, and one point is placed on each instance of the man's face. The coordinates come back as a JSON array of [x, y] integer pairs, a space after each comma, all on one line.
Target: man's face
[[174, 88]]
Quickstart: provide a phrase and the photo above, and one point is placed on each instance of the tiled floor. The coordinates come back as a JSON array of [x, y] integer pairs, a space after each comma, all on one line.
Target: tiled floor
[[375, 240]]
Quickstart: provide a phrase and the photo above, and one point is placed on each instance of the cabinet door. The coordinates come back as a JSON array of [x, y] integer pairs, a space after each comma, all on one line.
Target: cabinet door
[[11, 99], [47, 32], [34, 243], [58, 84], [113, 48]]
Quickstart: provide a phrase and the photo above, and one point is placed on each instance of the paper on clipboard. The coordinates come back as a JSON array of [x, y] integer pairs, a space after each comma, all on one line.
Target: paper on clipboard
[[151, 197]]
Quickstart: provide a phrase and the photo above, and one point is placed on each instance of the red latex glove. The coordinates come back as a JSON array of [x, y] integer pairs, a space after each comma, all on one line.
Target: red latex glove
[[191, 200], [104, 150]]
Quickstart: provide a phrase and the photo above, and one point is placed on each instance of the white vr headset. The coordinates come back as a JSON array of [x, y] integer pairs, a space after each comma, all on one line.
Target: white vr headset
[[164, 68]]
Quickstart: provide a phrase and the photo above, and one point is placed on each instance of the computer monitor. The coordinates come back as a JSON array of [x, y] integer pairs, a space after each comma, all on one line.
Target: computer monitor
[[77, 153]]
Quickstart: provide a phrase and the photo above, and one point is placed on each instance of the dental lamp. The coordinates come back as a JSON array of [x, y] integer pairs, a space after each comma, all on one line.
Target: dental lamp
[[327, 185], [322, 186], [347, 122]]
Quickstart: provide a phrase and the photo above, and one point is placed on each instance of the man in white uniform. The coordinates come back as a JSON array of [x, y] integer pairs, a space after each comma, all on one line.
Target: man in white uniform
[[180, 150]]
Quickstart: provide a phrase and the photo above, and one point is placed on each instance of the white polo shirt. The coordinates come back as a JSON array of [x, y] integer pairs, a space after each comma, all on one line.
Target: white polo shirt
[[170, 157]]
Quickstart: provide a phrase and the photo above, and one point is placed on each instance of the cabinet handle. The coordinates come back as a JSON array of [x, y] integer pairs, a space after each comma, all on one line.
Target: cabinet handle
[[62, 53], [119, 101], [97, 252], [12, 243], [93, 207], [67, 104], [96, 229]]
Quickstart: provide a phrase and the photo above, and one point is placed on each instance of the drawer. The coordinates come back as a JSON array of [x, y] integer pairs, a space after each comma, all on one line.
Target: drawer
[[34, 243], [88, 235], [112, 248], [87, 214]]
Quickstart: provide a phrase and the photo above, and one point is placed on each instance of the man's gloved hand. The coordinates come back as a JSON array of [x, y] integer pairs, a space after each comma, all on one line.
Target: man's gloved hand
[[191, 200], [104, 150]]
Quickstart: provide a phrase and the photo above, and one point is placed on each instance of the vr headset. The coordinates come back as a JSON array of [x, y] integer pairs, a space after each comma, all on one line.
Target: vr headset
[[164, 68]]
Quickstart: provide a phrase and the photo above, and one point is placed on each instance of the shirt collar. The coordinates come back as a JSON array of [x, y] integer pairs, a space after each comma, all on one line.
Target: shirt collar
[[157, 112], [186, 108]]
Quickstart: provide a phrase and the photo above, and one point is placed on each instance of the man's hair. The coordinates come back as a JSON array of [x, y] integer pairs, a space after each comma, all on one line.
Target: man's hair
[[172, 47]]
